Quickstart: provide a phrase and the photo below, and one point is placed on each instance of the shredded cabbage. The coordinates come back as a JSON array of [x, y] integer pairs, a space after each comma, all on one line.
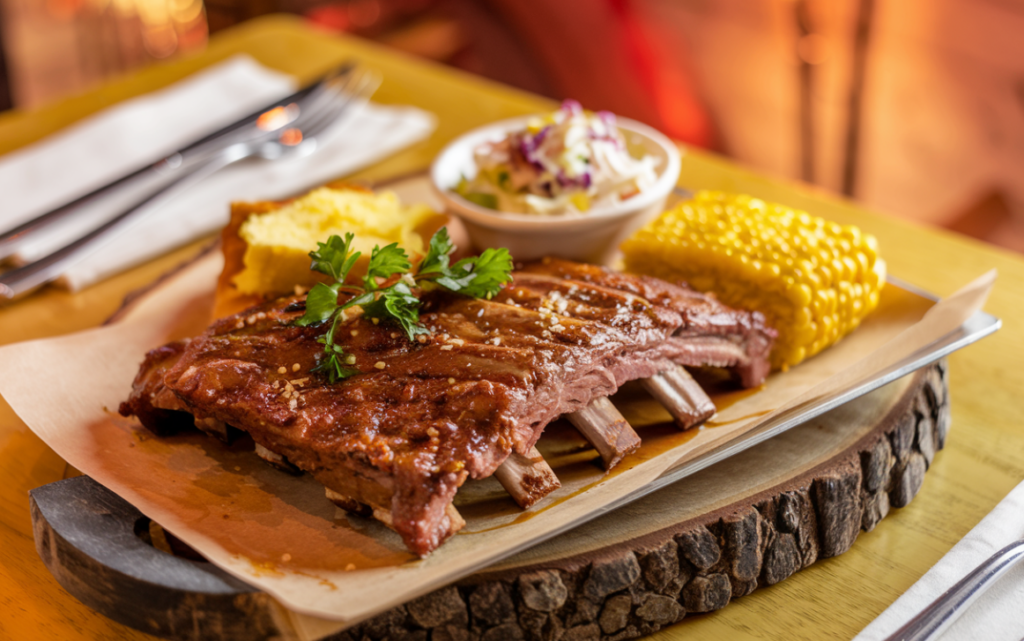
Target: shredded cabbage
[[569, 161]]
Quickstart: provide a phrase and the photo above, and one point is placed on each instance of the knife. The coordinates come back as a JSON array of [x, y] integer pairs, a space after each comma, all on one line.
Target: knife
[[194, 152]]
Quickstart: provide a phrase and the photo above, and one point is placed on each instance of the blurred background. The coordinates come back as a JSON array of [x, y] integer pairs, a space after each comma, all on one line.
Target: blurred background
[[912, 107]]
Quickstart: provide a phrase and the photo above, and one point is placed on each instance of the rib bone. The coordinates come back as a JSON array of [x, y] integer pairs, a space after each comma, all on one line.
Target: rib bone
[[527, 478], [349, 504], [682, 397], [276, 460], [606, 429], [215, 428]]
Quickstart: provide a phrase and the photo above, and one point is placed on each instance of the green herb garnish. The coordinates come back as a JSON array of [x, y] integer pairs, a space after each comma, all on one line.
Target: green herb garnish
[[480, 277]]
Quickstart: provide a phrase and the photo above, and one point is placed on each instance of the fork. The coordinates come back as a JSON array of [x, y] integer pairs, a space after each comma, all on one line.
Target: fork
[[941, 613], [269, 118], [314, 118]]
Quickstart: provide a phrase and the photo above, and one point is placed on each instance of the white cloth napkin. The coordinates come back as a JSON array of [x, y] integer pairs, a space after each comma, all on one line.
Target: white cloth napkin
[[998, 615], [100, 148]]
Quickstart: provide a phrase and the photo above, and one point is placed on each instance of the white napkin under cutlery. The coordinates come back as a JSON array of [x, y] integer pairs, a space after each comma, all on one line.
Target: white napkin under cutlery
[[998, 614], [102, 147]]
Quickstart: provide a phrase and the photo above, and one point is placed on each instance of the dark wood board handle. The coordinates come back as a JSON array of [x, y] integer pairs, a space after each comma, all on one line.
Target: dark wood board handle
[[87, 537]]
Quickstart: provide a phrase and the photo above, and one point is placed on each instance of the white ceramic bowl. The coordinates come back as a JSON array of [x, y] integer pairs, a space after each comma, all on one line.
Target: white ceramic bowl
[[592, 236]]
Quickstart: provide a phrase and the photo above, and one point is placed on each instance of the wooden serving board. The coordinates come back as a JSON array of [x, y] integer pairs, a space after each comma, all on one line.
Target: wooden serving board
[[747, 522]]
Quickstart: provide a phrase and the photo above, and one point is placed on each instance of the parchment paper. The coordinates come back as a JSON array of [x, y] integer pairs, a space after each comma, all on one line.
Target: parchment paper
[[280, 533]]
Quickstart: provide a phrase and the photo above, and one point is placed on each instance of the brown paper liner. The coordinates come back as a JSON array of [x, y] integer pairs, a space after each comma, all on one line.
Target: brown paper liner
[[280, 534]]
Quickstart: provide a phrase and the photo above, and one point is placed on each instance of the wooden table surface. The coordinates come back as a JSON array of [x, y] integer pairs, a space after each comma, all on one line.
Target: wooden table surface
[[834, 599]]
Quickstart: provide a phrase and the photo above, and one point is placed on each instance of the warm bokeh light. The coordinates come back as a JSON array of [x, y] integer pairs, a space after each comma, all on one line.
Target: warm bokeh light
[[364, 13], [276, 118], [678, 108], [291, 137], [63, 9], [166, 26]]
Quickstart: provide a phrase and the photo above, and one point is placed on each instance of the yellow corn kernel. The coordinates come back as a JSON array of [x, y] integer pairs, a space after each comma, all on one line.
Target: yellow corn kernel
[[814, 280]]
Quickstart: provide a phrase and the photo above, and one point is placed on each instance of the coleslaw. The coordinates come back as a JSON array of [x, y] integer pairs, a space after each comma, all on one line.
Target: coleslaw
[[570, 161]]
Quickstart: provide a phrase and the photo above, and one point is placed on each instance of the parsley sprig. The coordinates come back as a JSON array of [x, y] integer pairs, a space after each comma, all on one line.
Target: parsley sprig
[[386, 298]]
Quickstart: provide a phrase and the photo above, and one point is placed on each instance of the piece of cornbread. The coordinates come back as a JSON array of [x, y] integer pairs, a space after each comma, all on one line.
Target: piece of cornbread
[[278, 242], [266, 245]]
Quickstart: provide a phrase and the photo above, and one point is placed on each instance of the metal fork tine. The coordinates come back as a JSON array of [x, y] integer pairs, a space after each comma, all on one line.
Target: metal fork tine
[[243, 130], [358, 89], [316, 102], [315, 117], [305, 103], [328, 92], [331, 98], [334, 95]]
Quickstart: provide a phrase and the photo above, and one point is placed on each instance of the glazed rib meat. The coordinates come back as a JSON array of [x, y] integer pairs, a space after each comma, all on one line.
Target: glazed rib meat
[[423, 416]]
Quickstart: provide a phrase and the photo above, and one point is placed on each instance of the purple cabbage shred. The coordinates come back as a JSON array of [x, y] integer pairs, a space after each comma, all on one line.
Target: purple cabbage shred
[[572, 107]]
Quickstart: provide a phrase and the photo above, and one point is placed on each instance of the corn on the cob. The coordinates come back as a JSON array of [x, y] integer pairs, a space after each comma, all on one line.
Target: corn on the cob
[[812, 279]]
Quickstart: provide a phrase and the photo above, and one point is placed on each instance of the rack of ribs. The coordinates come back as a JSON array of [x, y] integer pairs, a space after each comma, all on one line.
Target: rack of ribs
[[468, 400]]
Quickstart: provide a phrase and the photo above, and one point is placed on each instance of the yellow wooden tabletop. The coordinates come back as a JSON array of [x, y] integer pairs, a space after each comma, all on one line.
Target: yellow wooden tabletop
[[833, 599]]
